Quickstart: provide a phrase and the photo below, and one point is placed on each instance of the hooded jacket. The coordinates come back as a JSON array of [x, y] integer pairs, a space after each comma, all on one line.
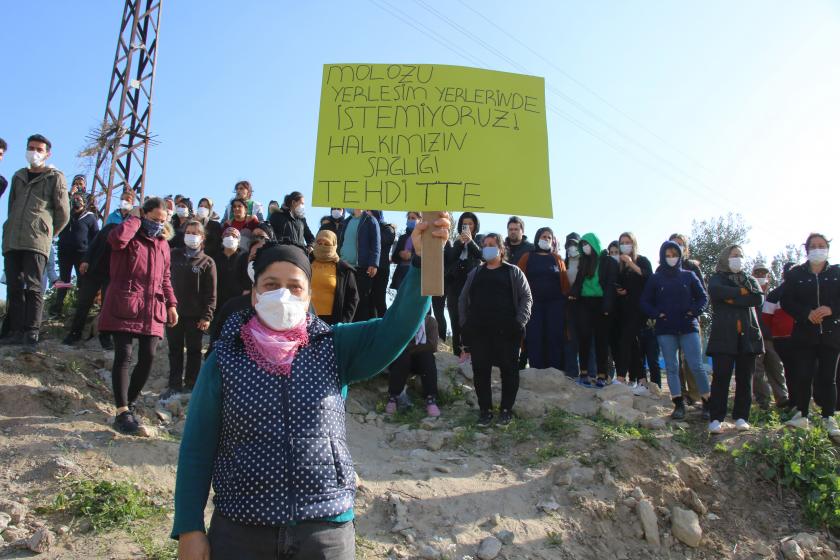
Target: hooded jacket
[[140, 291], [79, 233], [673, 296], [455, 268], [38, 210], [291, 230], [805, 291], [734, 297], [602, 282]]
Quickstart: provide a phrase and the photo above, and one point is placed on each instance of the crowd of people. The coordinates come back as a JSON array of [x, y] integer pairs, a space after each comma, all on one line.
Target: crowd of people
[[274, 299]]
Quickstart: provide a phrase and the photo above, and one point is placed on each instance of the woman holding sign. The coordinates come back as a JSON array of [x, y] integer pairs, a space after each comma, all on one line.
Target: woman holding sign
[[282, 474]]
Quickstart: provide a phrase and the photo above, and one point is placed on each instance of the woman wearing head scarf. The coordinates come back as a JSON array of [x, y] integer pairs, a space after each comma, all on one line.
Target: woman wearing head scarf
[[208, 218], [812, 297], [675, 298], [334, 293], [266, 424], [546, 274], [735, 338]]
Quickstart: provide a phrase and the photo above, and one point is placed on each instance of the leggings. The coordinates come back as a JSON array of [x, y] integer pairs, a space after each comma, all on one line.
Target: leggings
[[630, 358], [419, 363], [125, 391], [590, 321], [744, 366]]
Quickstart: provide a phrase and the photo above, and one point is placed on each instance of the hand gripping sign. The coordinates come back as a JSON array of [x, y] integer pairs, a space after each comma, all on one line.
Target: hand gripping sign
[[426, 137]]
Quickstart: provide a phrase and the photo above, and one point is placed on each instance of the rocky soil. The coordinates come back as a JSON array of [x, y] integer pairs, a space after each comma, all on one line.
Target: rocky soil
[[582, 473]]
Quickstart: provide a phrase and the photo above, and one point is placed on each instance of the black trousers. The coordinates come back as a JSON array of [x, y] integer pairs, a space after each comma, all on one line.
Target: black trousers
[[493, 346], [24, 292], [650, 347], [722, 365], [590, 323], [88, 286], [309, 540], [418, 363], [630, 356], [453, 293], [184, 335], [784, 348], [127, 390], [67, 261], [379, 287], [816, 366], [439, 309], [364, 284]]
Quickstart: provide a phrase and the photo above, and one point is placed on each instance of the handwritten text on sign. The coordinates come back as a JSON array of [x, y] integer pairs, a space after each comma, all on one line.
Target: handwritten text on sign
[[429, 137]]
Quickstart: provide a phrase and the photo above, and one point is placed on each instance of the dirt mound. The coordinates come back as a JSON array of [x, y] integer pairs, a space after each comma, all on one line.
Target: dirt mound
[[582, 473]]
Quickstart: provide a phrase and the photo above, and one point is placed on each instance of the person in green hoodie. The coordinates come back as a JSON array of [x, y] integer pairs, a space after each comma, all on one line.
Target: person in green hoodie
[[592, 299]]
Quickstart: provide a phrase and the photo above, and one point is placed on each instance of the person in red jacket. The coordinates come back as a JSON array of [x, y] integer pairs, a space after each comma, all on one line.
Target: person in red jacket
[[780, 324], [139, 301]]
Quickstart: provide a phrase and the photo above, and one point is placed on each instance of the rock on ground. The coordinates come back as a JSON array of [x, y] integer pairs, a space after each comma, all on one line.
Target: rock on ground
[[647, 515], [41, 541], [792, 551], [489, 548], [685, 525]]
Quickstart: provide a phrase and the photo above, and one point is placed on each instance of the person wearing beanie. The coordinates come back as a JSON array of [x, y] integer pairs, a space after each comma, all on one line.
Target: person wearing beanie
[[735, 338], [193, 276], [675, 299], [334, 293], [266, 427]]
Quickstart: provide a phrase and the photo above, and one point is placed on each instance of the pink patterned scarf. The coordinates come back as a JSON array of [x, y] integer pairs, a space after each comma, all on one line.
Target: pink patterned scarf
[[273, 351]]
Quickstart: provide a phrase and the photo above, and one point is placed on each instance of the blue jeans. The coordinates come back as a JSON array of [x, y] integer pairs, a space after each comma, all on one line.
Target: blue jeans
[[690, 344]]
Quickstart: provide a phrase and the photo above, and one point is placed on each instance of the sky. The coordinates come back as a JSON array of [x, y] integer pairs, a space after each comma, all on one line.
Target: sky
[[660, 112]]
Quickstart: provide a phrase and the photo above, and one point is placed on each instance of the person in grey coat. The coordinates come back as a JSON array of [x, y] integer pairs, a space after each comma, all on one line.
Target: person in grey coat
[[494, 307], [735, 339]]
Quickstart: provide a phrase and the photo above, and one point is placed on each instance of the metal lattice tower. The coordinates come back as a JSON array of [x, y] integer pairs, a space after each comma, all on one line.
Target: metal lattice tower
[[122, 143]]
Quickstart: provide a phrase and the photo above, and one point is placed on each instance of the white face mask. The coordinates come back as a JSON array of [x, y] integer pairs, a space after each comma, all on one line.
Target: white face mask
[[35, 159], [587, 249], [251, 271], [192, 241], [672, 261], [336, 214], [300, 211], [230, 242], [818, 256], [735, 264], [625, 249], [182, 211], [126, 205], [202, 212], [280, 310], [616, 258], [762, 281], [544, 244], [572, 252]]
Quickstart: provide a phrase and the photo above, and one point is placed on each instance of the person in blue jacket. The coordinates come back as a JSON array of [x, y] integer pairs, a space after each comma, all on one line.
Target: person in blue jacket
[[359, 245], [266, 425], [676, 298]]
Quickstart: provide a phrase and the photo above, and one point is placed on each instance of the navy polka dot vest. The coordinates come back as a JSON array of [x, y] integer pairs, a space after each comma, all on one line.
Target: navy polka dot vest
[[283, 453]]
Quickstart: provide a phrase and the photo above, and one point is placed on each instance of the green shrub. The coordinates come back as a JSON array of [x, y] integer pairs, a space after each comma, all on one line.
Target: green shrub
[[804, 460]]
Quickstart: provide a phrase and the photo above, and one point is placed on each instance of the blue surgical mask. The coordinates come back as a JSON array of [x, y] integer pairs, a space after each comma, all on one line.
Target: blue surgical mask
[[490, 253], [409, 225], [152, 229]]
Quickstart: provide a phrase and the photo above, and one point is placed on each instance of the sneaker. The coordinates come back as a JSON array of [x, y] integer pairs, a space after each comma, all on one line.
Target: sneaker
[[391, 407], [505, 416], [30, 341], [641, 391], [830, 425], [600, 382], [715, 427], [168, 396], [619, 381], [126, 423], [585, 380], [432, 410], [485, 418], [71, 339], [799, 421], [742, 425]]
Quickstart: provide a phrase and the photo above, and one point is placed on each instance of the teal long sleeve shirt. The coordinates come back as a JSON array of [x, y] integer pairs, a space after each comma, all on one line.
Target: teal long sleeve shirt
[[362, 351]]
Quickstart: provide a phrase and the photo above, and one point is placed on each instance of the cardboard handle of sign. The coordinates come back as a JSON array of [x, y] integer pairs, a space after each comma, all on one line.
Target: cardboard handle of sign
[[431, 274]]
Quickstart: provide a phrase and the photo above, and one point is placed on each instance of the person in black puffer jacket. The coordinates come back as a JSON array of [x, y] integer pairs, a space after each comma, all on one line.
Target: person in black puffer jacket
[[73, 243], [289, 223], [735, 338], [812, 297]]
